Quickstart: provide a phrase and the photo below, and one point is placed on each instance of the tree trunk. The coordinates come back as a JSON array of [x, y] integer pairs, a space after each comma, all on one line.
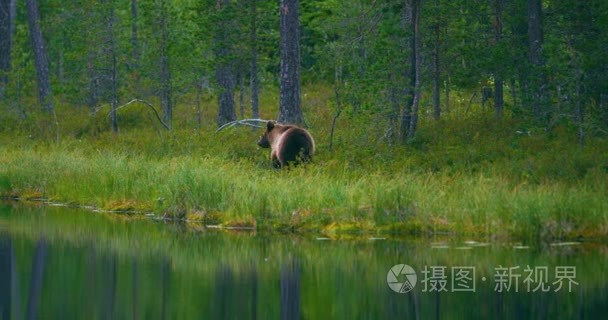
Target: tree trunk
[[535, 56], [290, 100], [498, 95], [394, 100], [114, 102], [241, 78], [199, 113], [255, 84], [5, 43], [40, 57], [135, 44], [361, 56], [513, 93], [498, 80], [12, 15], [447, 91], [337, 80], [409, 119], [436, 71], [447, 77], [406, 116], [93, 97], [60, 62], [418, 64], [224, 49], [535, 32], [580, 112], [165, 73], [111, 40]]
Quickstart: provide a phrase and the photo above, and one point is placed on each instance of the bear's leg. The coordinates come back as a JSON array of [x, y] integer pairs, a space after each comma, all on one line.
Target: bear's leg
[[286, 158], [275, 159], [304, 155]]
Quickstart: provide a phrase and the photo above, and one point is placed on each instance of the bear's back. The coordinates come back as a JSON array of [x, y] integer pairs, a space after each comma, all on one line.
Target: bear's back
[[295, 144]]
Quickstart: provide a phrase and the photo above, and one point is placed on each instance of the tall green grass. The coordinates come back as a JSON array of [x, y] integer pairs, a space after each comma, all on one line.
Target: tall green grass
[[463, 174]]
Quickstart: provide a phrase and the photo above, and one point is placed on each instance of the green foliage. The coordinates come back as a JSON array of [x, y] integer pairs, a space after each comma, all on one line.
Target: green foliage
[[360, 47], [469, 170], [473, 175]]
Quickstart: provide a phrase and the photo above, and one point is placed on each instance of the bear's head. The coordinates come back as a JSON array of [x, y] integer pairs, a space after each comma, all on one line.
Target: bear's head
[[264, 141]]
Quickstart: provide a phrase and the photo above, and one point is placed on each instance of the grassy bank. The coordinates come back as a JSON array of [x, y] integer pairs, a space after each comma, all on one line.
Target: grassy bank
[[473, 176]]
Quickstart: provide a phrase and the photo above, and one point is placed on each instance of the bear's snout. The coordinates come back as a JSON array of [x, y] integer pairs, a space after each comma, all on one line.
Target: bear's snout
[[263, 142]]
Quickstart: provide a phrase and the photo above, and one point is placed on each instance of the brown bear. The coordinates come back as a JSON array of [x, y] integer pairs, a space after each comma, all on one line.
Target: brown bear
[[289, 144]]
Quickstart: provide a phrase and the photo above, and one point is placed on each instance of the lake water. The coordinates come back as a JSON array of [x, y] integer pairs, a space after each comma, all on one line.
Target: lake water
[[59, 263]]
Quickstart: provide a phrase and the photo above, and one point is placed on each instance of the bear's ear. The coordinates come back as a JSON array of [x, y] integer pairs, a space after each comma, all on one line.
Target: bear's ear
[[269, 125]]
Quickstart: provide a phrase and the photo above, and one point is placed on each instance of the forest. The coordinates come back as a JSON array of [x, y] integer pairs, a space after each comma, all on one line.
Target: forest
[[429, 115]]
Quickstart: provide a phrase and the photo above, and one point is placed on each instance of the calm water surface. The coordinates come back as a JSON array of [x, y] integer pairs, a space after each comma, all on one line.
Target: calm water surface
[[58, 263]]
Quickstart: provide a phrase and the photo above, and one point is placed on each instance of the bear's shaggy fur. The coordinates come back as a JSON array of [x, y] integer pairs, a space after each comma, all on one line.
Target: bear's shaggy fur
[[288, 144]]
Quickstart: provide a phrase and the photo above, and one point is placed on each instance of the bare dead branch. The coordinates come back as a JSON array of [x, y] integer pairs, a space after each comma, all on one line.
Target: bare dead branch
[[147, 104], [243, 122]]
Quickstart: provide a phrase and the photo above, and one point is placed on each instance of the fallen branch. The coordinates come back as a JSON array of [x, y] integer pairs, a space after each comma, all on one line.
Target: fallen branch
[[388, 133], [470, 100], [147, 104], [244, 122]]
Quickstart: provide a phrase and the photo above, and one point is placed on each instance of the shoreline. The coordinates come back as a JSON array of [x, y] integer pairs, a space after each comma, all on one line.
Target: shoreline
[[329, 232]]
